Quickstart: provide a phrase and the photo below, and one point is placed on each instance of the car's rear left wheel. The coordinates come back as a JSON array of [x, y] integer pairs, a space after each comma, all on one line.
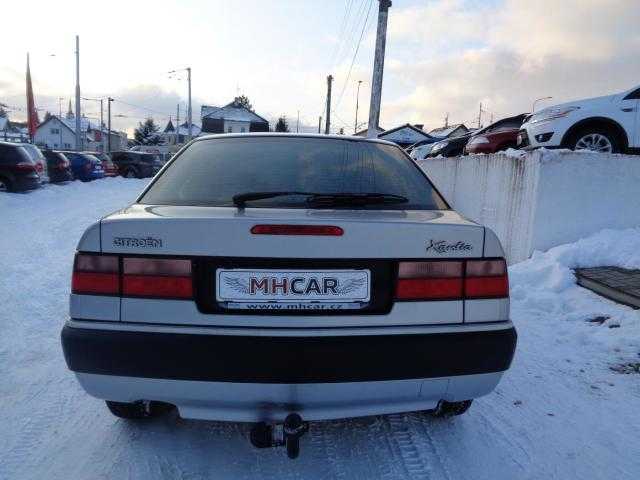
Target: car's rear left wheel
[[137, 410]]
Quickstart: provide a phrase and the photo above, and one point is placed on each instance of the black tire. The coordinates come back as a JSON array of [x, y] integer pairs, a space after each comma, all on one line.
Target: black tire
[[138, 410], [5, 185], [579, 139], [450, 409], [131, 173]]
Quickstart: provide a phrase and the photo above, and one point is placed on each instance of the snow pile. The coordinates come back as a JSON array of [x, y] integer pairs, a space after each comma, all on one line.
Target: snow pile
[[544, 289]]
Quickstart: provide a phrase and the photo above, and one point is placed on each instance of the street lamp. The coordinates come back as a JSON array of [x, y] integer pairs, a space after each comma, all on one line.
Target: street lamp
[[355, 124], [189, 119], [533, 109]]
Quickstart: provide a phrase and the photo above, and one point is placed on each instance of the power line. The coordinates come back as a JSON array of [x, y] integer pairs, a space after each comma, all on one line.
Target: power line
[[355, 54], [142, 108], [350, 39], [343, 25]]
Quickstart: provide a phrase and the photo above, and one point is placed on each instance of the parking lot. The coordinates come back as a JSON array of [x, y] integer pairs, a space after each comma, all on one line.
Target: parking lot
[[560, 412]]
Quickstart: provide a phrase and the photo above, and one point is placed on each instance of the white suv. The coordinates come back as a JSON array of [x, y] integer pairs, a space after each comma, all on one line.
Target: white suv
[[260, 276], [609, 124]]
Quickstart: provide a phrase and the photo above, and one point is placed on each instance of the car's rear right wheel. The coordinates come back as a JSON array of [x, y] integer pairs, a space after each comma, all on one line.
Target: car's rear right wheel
[[130, 173], [137, 410], [5, 185], [450, 409]]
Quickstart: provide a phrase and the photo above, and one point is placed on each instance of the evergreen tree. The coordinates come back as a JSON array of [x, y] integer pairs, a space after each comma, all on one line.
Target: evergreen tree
[[47, 116], [243, 101], [282, 125], [147, 133], [3, 112]]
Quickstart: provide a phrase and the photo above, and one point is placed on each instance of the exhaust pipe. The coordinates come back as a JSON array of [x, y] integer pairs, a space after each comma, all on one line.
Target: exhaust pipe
[[286, 434]]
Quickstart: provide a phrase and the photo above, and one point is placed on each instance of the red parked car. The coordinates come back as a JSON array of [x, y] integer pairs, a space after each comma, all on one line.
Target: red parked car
[[498, 136], [109, 168]]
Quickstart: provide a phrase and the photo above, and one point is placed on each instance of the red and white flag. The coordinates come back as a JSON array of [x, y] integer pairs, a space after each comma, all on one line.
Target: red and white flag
[[32, 114]]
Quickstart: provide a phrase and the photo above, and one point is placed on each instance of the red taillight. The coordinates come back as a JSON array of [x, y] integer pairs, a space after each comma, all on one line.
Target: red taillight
[[152, 277], [96, 275], [439, 280], [25, 166], [318, 230], [486, 279], [429, 280]]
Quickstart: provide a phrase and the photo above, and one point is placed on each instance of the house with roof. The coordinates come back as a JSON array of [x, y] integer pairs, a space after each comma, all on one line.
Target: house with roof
[[13, 131], [365, 132], [232, 118], [172, 135], [449, 131], [60, 133], [404, 135]]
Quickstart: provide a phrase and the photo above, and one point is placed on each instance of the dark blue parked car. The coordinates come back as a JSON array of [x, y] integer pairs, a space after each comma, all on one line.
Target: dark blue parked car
[[84, 166]]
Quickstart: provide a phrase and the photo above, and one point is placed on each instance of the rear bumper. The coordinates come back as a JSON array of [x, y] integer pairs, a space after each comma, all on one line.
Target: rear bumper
[[26, 183], [254, 402], [255, 378], [287, 359], [59, 177]]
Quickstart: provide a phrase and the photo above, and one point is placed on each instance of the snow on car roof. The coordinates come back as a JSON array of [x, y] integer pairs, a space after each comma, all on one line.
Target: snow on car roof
[[298, 135]]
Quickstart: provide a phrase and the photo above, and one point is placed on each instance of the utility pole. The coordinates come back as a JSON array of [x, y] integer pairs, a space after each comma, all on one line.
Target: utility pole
[[480, 115], [446, 120], [378, 68], [59, 119], [298, 122], [109, 100], [328, 124], [78, 122], [178, 125], [355, 124], [189, 106], [320, 124], [102, 123]]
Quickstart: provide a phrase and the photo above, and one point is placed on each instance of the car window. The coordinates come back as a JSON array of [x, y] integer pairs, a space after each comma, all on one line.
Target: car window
[[11, 155], [211, 172], [33, 152], [633, 95]]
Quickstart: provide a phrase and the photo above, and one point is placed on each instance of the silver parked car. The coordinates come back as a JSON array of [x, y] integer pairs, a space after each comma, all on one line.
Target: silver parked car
[[284, 278]]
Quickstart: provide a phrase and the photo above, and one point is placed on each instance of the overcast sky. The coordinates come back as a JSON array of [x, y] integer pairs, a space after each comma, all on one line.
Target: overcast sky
[[443, 56]]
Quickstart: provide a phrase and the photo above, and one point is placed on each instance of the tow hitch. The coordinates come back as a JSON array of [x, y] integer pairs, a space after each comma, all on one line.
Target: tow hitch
[[286, 434]]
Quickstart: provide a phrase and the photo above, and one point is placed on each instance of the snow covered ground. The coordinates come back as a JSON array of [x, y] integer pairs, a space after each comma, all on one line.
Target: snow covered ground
[[560, 412]]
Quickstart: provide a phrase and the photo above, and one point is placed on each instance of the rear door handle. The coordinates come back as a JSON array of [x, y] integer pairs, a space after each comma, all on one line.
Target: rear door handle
[[628, 109]]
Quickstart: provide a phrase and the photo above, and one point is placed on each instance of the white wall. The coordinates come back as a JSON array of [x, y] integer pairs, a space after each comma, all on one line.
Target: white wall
[[66, 139], [541, 199], [236, 126]]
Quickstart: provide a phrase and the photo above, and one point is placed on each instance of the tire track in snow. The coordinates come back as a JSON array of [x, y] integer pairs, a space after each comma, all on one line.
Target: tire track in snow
[[421, 423], [404, 437]]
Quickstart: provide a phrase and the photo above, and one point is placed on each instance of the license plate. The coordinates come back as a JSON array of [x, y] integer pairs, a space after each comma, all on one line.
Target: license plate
[[293, 289]]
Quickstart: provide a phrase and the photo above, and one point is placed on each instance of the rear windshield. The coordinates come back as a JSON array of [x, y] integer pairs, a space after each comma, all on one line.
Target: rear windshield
[[33, 152], [211, 172]]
